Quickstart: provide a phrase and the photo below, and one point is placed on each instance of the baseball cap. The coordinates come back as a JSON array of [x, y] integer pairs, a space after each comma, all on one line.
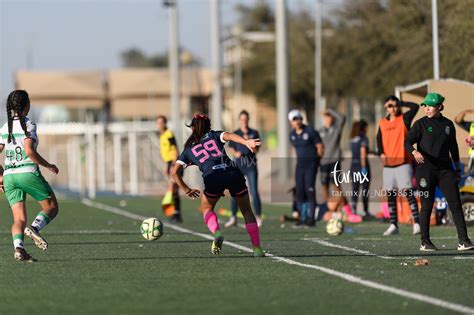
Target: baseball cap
[[294, 114], [433, 99]]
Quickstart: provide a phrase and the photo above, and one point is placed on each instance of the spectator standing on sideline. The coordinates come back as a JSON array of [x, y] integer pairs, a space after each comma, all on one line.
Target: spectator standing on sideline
[[360, 164], [397, 170], [246, 161], [309, 150], [333, 123]]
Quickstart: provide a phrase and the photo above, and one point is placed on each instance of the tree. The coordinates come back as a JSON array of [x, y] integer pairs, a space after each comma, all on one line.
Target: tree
[[259, 71], [135, 58], [457, 44], [370, 47]]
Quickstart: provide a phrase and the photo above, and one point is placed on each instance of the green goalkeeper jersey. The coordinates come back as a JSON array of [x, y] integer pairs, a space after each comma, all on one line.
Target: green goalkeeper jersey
[[16, 160]]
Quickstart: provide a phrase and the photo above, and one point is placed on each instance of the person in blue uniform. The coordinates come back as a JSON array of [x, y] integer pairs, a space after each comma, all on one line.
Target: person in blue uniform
[[246, 161], [309, 150], [360, 163]]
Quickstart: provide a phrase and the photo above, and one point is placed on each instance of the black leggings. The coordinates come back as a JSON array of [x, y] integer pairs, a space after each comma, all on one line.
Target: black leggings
[[305, 178], [428, 177], [356, 190]]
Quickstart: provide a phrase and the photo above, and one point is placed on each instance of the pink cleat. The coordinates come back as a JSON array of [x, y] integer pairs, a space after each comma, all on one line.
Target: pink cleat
[[351, 217]]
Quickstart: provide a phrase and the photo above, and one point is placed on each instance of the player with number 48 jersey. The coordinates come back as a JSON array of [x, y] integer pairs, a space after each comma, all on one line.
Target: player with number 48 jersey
[[22, 175]]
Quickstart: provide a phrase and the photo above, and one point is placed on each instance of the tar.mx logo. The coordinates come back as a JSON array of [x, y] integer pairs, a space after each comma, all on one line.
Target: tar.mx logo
[[341, 177]]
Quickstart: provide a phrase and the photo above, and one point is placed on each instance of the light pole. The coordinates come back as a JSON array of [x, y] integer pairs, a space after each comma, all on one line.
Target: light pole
[[317, 64], [434, 14], [237, 32], [235, 42], [216, 100], [173, 66], [282, 87]]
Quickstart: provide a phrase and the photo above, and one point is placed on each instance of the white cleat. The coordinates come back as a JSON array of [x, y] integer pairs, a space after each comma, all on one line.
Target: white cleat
[[416, 229], [40, 242], [392, 230], [465, 246], [21, 255], [232, 222]]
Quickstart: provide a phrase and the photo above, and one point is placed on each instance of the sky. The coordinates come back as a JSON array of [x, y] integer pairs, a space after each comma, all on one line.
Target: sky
[[90, 35]]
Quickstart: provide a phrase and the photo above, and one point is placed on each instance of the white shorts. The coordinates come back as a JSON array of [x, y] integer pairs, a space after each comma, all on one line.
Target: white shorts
[[397, 178]]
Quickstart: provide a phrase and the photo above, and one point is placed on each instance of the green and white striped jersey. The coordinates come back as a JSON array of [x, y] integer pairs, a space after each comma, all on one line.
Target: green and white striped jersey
[[16, 160]]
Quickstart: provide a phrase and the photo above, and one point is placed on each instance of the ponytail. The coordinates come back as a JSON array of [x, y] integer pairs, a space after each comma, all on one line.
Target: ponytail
[[200, 126], [17, 101]]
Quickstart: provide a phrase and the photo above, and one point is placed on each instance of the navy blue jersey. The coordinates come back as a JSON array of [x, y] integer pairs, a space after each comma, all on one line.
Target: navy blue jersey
[[208, 154], [356, 144], [305, 142], [466, 125], [246, 154]]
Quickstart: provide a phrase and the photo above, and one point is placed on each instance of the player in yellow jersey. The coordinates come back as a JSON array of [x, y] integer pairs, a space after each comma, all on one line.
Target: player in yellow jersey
[[169, 154]]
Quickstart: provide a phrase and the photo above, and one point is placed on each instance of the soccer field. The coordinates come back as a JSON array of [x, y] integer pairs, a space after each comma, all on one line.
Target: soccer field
[[99, 263]]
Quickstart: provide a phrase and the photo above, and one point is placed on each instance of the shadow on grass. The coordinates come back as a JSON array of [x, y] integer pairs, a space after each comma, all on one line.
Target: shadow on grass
[[244, 256], [130, 242]]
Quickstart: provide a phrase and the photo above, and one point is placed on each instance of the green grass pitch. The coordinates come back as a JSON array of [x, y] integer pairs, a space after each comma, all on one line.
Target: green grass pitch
[[98, 263]]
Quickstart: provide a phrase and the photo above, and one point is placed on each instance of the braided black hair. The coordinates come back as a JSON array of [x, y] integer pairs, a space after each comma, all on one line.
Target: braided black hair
[[201, 124], [17, 101]]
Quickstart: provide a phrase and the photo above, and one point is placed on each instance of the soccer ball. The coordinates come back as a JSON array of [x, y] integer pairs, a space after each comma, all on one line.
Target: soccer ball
[[335, 226], [152, 229]]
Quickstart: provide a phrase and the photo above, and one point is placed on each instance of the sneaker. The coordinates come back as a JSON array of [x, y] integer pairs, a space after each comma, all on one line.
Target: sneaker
[[367, 216], [258, 252], [259, 221], [284, 218], [351, 215], [216, 246], [232, 222], [176, 218], [427, 246], [354, 218], [310, 223], [40, 242], [465, 245], [392, 230], [21, 255], [298, 225], [416, 229]]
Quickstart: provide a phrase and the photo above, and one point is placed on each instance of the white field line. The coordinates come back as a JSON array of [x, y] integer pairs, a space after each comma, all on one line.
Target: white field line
[[349, 249], [463, 257], [348, 277], [355, 250], [67, 232], [391, 238]]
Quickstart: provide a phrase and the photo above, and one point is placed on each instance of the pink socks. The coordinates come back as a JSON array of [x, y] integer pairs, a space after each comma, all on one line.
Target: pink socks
[[252, 230], [210, 218], [351, 216]]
